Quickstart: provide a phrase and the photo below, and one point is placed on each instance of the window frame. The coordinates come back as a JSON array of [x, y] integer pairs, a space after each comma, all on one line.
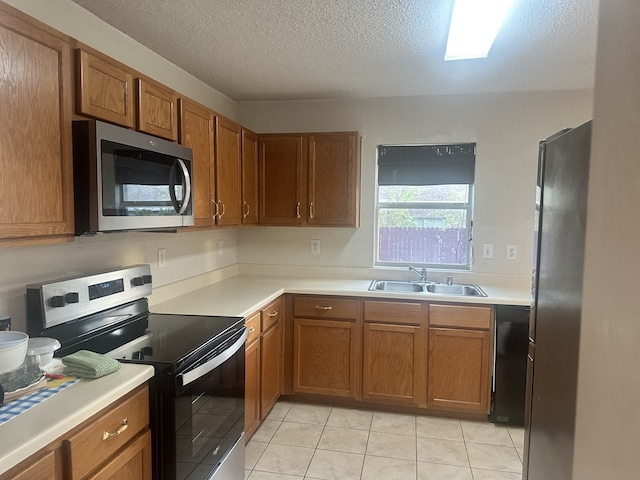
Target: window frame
[[468, 206]]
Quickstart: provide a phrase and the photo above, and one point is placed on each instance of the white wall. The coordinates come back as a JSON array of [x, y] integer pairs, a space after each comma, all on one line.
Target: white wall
[[607, 420], [506, 127]]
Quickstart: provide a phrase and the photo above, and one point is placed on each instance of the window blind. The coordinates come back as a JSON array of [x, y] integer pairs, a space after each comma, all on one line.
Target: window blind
[[426, 164]]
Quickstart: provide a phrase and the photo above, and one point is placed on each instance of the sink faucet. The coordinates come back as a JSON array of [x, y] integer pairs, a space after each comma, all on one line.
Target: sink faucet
[[422, 273]]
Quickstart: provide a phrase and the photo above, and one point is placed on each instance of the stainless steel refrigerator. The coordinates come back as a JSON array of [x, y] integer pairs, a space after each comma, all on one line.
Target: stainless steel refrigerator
[[554, 328]]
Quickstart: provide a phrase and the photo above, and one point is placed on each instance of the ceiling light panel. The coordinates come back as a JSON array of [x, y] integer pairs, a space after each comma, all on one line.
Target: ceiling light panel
[[474, 26]]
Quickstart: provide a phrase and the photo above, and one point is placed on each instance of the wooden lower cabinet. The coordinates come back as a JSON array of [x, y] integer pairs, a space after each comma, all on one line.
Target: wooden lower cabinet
[[324, 354], [393, 352], [84, 453], [460, 348], [263, 364], [391, 363], [252, 388], [271, 368]]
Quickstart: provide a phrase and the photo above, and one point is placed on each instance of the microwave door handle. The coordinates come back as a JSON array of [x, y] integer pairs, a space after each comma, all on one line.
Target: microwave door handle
[[180, 209], [187, 186], [192, 375]]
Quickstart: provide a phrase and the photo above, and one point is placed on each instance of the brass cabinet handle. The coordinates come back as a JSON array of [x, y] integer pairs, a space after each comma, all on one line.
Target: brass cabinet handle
[[324, 307], [123, 426], [246, 213], [298, 210], [273, 314], [215, 214], [222, 203], [252, 329], [311, 210]]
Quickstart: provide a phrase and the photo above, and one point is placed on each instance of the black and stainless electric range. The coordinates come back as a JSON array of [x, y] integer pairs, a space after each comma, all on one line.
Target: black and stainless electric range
[[197, 393]]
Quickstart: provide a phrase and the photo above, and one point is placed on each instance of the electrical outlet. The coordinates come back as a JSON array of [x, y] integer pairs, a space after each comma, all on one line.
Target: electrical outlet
[[162, 257], [512, 252], [220, 247], [315, 246], [487, 250]]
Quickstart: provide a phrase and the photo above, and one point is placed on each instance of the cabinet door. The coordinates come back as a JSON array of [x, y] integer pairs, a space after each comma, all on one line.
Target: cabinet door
[[333, 179], [459, 369], [36, 183], [42, 468], [391, 363], [271, 378], [249, 177], [105, 90], [157, 112], [132, 461], [282, 163], [324, 356], [228, 172], [196, 132], [252, 389]]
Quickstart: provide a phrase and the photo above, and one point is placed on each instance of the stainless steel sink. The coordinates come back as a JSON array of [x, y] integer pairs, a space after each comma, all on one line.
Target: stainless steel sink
[[417, 287], [396, 286], [456, 289]]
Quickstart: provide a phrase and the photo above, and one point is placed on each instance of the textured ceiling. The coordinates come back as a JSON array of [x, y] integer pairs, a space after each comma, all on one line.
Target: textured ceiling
[[313, 49]]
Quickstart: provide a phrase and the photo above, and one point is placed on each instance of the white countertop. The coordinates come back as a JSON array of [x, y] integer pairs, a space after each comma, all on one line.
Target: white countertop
[[34, 429], [242, 295]]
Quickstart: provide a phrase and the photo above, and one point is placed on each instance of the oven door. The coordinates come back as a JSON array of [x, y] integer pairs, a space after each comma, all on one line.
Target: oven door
[[209, 415]]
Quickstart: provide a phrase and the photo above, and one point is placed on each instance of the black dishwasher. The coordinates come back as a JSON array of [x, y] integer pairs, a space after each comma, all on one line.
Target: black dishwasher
[[510, 364]]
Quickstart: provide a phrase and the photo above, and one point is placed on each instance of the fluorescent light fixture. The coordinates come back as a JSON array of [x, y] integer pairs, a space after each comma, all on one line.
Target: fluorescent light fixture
[[474, 26]]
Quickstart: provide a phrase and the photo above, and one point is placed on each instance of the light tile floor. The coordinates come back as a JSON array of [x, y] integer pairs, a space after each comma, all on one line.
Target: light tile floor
[[312, 442]]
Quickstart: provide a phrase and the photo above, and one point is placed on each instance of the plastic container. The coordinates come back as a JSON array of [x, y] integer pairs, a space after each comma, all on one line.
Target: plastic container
[[13, 350], [40, 350]]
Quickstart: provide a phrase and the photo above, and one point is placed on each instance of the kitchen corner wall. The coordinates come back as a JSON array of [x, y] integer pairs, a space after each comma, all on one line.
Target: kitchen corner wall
[[506, 126]]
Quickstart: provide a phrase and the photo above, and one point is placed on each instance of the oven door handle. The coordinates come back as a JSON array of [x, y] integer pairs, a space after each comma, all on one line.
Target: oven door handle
[[192, 375]]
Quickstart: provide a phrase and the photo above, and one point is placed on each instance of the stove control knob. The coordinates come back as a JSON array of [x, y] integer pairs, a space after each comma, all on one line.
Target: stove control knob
[[147, 278], [57, 301], [137, 281], [137, 355], [147, 350], [72, 297]]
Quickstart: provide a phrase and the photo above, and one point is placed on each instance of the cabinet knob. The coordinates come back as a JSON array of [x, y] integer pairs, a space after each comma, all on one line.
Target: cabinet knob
[[252, 329]]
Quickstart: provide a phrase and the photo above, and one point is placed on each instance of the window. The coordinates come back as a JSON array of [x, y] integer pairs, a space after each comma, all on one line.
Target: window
[[424, 207]]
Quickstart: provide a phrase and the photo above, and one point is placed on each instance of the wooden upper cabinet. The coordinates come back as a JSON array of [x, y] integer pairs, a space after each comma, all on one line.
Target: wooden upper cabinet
[[282, 162], [333, 179], [104, 89], [36, 183], [157, 110], [197, 126], [228, 172], [309, 179], [249, 177]]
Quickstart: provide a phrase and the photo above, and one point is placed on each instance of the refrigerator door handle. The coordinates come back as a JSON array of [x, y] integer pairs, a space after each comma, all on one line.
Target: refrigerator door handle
[[531, 351]]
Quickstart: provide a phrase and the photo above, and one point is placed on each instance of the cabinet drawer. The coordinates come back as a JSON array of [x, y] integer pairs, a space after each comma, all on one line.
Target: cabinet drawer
[[460, 316], [87, 449], [392, 312], [253, 327], [325, 307], [271, 314]]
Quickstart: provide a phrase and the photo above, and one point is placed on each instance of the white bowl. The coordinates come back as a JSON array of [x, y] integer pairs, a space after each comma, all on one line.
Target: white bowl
[[41, 349], [13, 350]]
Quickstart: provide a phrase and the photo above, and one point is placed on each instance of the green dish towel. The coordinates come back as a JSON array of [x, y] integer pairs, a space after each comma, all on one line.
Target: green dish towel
[[88, 364]]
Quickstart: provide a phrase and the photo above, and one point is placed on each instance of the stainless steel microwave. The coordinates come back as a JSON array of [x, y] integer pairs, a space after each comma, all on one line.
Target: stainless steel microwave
[[127, 180]]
